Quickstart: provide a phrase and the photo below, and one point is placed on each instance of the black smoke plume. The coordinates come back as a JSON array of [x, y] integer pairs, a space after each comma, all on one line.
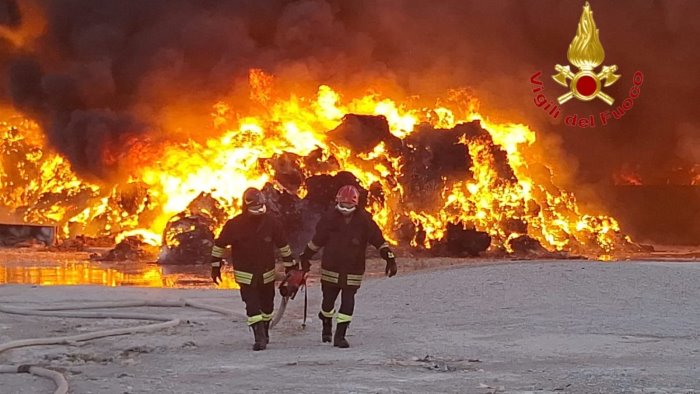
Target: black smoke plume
[[109, 78]]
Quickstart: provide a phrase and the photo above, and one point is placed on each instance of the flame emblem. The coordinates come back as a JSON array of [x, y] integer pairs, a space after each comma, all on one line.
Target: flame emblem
[[586, 53]]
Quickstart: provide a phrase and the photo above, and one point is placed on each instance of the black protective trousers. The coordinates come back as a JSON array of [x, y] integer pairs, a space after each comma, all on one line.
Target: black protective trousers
[[259, 301], [347, 299]]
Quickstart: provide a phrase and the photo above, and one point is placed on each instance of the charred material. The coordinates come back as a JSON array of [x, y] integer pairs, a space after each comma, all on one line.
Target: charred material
[[187, 240], [434, 156], [320, 162], [431, 160], [286, 207], [437, 157], [524, 244], [321, 189], [462, 241], [133, 197], [189, 236], [208, 207], [439, 152], [83, 242], [131, 248], [473, 133], [361, 133], [288, 172]]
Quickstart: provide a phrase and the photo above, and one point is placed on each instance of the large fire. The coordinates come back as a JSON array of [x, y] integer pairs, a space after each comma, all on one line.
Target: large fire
[[38, 184]]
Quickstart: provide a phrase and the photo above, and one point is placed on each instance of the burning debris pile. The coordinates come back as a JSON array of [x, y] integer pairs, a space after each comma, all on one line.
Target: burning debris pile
[[130, 248], [189, 236], [441, 179]]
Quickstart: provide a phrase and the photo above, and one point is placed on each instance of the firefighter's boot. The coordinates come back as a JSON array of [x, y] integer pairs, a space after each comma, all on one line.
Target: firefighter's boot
[[339, 339], [266, 324], [327, 333], [260, 339]]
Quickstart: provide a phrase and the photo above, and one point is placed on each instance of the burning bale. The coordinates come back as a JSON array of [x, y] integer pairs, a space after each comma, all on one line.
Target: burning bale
[[189, 237], [362, 133], [187, 240], [292, 212], [114, 121], [130, 248], [440, 157], [424, 173], [287, 170], [459, 241], [438, 152], [525, 245], [462, 241]]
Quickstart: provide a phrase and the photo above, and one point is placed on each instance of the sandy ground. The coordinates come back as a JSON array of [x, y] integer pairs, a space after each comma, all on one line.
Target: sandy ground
[[545, 327]]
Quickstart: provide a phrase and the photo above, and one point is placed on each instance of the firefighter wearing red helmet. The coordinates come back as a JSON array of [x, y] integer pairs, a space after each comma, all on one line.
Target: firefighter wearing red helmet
[[344, 234], [253, 236]]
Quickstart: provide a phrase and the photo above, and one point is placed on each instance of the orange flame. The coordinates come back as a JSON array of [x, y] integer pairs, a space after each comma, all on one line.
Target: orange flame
[[44, 188], [86, 273]]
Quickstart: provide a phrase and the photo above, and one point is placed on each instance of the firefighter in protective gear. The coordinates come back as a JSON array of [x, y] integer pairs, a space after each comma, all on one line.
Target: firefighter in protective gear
[[344, 233], [253, 236]]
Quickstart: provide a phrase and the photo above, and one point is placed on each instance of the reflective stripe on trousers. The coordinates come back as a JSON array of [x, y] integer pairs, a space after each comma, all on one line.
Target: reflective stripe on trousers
[[255, 319], [336, 278], [246, 278], [329, 276], [343, 318]]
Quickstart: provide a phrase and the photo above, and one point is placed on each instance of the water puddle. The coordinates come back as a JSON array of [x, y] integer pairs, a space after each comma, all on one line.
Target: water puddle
[[27, 266]]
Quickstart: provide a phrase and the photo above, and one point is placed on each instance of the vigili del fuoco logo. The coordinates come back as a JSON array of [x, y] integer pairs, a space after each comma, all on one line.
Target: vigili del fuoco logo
[[583, 82]]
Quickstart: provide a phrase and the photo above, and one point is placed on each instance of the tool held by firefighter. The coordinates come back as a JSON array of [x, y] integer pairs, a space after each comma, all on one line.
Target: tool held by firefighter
[[294, 280], [344, 233], [253, 237]]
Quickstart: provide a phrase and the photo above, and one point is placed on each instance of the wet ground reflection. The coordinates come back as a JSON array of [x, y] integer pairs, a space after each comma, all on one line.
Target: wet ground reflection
[[20, 266]]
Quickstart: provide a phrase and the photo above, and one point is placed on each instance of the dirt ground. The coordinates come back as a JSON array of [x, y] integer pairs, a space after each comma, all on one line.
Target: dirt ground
[[513, 327]]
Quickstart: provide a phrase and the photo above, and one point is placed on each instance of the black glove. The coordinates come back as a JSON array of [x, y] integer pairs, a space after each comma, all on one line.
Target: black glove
[[390, 258], [305, 258], [289, 264], [390, 268], [216, 271]]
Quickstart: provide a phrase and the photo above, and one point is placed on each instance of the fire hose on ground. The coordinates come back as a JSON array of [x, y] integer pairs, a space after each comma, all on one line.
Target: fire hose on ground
[[70, 312], [58, 379]]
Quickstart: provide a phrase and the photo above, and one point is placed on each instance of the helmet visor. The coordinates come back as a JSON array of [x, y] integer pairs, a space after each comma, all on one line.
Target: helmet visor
[[345, 208], [257, 209]]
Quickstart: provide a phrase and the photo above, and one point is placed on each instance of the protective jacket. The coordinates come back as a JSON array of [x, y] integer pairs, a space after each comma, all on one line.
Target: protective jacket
[[253, 239], [345, 241]]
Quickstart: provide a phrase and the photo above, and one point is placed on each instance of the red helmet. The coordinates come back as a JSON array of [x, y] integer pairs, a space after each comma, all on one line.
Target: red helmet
[[347, 199], [348, 194]]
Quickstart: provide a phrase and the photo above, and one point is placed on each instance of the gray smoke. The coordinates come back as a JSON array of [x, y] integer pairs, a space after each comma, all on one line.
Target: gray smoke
[[107, 77], [103, 69]]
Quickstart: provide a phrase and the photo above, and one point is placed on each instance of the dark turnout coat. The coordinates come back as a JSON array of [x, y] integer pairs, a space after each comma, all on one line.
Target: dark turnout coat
[[253, 240], [345, 244]]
